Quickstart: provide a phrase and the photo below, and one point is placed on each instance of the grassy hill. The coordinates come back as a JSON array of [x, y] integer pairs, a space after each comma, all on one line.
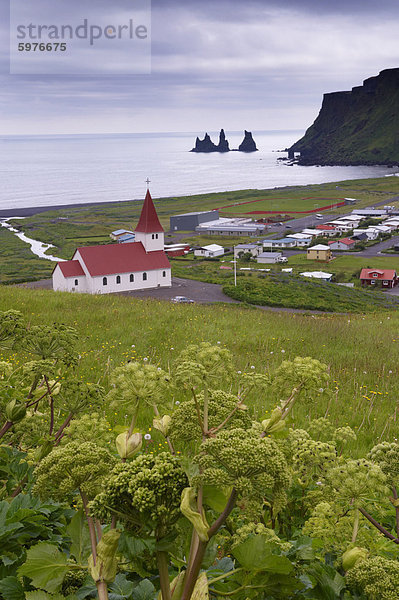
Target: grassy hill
[[362, 352], [357, 127]]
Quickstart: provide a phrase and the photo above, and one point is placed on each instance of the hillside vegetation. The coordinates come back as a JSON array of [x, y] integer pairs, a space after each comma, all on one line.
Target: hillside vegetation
[[362, 352], [356, 128]]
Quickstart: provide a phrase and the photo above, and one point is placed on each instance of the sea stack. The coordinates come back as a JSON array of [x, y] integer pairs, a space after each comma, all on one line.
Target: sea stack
[[223, 145], [248, 143], [205, 145]]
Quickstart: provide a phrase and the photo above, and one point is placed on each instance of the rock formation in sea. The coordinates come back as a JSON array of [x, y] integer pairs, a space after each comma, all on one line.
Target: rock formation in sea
[[206, 145], [247, 144], [223, 145], [358, 127]]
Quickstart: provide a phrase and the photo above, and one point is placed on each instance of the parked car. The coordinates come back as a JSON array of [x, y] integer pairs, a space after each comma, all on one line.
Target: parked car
[[319, 216], [282, 259], [182, 300]]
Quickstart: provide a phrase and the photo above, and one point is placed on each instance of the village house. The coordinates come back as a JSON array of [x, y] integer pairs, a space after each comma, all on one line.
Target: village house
[[119, 233], [282, 243], [372, 234], [387, 278], [211, 251], [271, 258], [319, 252], [327, 230], [344, 244], [342, 226], [301, 239], [111, 268], [252, 249]]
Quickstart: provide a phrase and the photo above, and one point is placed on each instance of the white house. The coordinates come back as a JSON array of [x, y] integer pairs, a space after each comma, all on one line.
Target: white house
[[287, 242], [301, 239], [119, 267], [312, 232], [252, 249], [211, 251], [343, 244], [270, 257], [342, 226], [372, 234]]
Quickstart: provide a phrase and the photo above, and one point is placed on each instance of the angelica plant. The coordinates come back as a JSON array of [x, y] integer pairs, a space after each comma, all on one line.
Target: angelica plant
[[145, 495], [80, 468]]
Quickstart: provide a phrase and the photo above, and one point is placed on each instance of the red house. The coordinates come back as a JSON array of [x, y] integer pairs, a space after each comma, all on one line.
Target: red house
[[386, 277]]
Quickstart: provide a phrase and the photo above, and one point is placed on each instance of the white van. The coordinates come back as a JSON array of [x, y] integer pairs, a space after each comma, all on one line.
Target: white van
[[318, 216]]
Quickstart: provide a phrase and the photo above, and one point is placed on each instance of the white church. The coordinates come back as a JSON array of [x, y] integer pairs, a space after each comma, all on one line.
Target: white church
[[138, 265]]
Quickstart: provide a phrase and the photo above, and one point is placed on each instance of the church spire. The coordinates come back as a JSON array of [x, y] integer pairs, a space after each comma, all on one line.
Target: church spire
[[149, 222]]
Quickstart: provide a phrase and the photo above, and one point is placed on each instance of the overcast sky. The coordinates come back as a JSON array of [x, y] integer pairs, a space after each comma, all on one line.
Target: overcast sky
[[259, 64]]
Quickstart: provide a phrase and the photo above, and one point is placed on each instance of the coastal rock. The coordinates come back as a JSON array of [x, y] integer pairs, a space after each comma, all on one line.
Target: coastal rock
[[358, 127], [248, 143], [205, 145], [223, 145]]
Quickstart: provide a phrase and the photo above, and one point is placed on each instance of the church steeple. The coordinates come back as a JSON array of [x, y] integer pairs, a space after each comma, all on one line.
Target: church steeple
[[149, 230], [149, 222]]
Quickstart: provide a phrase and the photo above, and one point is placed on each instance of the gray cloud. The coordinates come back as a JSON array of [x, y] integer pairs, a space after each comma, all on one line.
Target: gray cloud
[[260, 65]]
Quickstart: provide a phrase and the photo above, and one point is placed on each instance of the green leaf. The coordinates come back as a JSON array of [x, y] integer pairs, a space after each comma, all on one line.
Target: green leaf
[[11, 589], [78, 531], [46, 566], [255, 555], [144, 590], [120, 588], [216, 497]]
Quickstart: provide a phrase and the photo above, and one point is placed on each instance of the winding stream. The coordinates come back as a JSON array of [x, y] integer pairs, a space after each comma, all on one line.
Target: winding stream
[[37, 248]]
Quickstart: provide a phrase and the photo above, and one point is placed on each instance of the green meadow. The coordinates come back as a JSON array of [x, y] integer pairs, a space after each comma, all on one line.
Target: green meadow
[[362, 352]]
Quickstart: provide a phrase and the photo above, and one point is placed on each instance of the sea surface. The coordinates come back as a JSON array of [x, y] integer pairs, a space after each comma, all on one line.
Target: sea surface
[[51, 170]]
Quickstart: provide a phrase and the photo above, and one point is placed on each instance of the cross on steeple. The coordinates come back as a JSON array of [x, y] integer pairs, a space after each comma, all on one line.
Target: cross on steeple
[[148, 181]]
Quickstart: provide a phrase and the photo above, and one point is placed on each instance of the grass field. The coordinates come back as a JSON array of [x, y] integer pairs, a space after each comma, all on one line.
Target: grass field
[[362, 352]]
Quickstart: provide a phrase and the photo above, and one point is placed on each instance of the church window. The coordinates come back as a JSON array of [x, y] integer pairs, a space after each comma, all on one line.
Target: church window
[[118, 279], [156, 236], [163, 273], [105, 281], [76, 282], [144, 276], [131, 278], [153, 236]]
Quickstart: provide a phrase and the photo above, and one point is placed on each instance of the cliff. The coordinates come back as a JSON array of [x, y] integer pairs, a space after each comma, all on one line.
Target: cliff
[[360, 127]]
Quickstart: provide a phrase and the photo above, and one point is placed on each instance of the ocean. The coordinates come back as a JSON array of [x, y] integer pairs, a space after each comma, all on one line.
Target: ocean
[[51, 170]]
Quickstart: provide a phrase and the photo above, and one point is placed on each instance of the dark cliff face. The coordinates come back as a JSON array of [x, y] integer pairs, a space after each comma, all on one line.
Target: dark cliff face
[[356, 127], [247, 144]]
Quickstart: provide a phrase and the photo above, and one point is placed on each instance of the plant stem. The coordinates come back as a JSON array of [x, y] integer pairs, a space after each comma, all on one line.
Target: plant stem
[[228, 574], [92, 531], [395, 495], [65, 424], [102, 590], [5, 428], [379, 526], [355, 526], [206, 407], [192, 573], [163, 562]]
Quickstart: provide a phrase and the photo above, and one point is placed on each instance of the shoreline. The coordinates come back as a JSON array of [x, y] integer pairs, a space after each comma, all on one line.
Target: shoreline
[[30, 211]]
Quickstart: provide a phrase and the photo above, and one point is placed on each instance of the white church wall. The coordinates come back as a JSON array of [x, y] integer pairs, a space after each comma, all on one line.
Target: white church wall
[[153, 279], [68, 284]]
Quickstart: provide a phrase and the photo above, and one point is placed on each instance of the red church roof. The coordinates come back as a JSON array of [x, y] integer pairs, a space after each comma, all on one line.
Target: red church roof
[[71, 268], [149, 222], [121, 258]]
